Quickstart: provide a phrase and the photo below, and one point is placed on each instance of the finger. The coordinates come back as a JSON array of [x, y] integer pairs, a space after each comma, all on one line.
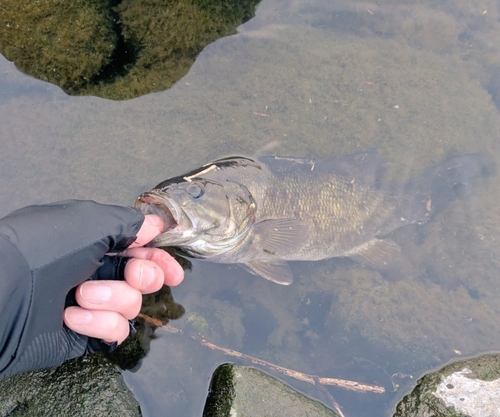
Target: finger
[[117, 296], [109, 326], [153, 226], [144, 275], [173, 272]]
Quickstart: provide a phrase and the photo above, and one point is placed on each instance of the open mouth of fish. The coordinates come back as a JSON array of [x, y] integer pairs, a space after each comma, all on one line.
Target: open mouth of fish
[[149, 204]]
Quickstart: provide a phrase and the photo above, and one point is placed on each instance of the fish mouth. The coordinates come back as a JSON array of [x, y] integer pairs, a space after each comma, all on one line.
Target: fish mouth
[[152, 204]]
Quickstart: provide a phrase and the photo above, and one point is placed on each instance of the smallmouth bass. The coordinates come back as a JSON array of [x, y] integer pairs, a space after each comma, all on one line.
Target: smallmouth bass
[[265, 211]]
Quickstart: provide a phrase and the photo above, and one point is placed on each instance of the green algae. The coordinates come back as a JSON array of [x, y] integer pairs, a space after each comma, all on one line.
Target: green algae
[[86, 386], [221, 393], [114, 49], [65, 43]]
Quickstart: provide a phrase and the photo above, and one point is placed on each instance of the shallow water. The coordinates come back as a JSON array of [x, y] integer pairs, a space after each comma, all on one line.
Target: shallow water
[[304, 78]]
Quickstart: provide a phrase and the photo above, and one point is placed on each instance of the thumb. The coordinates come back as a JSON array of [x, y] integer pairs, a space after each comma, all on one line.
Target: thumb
[[153, 226], [45, 234]]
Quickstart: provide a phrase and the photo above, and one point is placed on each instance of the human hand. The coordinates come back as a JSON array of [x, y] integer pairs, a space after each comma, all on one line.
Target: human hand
[[106, 306], [47, 250]]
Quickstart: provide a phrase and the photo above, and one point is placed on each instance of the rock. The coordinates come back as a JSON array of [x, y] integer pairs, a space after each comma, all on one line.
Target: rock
[[469, 388], [92, 385], [84, 387], [469, 395], [247, 392], [118, 49], [65, 43]]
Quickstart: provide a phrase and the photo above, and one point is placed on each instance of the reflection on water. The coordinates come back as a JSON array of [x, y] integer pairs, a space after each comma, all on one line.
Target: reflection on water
[[323, 79]]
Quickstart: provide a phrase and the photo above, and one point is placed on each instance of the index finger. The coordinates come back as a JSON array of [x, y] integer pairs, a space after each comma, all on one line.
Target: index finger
[[174, 274], [153, 226]]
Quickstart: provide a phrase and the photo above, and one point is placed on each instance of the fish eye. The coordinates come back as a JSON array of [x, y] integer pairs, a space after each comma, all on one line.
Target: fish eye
[[195, 190]]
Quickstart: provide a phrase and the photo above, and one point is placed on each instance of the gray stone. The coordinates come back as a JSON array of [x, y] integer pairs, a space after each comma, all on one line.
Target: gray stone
[[247, 392], [469, 388], [471, 396]]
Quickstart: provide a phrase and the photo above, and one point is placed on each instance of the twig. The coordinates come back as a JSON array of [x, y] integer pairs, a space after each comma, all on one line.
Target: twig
[[310, 379], [335, 404]]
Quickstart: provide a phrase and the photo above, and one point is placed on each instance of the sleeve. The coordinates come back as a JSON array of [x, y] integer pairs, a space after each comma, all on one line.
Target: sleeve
[[45, 251]]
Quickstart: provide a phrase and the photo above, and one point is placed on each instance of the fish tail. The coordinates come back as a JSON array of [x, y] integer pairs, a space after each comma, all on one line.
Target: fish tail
[[439, 185]]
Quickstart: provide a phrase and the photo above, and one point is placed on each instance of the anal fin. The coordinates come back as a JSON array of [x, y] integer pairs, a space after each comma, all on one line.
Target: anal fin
[[274, 270], [380, 254]]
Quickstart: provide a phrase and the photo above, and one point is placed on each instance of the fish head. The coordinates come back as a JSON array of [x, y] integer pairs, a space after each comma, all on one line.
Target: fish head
[[202, 217]]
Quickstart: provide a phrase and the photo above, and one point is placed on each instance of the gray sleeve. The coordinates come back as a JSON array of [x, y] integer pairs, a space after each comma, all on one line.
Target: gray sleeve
[[44, 252]]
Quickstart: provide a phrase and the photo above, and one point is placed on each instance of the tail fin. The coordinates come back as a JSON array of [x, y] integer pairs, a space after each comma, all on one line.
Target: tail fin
[[439, 185]]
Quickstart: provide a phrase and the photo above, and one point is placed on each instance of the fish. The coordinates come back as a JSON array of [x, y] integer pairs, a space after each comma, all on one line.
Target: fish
[[263, 212]]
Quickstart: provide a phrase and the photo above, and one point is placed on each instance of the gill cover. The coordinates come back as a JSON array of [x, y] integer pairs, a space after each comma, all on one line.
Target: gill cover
[[203, 216]]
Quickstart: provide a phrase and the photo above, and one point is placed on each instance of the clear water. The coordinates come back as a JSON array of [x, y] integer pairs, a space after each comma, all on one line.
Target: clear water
[[304, 78]]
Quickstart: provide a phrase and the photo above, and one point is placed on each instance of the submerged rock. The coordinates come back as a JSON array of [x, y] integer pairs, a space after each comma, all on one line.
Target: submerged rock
[[247, 392], [117, 49]]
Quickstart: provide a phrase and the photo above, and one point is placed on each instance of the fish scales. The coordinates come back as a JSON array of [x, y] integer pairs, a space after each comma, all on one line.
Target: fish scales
[[266, 211]]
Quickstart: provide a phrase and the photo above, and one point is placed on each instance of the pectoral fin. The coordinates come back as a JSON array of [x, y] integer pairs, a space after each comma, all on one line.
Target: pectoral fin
[[381, 254], [280, 237], [275, 271]]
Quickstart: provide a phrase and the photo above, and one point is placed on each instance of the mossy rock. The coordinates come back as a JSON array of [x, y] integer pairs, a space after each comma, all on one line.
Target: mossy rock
[[426, 399], [114, 49], [65, 43], [248, 392], [89, 386]]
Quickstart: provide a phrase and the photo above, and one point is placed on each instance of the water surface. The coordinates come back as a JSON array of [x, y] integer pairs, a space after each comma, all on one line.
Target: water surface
[[304, 78]]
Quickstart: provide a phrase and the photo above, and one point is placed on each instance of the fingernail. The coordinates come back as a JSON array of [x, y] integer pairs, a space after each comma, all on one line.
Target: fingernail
[[78, 317], [95, 292], [147, 276]]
